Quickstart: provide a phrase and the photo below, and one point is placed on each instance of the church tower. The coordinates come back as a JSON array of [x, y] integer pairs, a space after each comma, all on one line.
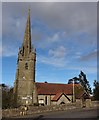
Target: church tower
[[24, 86]]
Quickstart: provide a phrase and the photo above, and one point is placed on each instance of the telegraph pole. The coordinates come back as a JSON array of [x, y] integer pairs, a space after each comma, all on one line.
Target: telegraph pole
[[73, 91]]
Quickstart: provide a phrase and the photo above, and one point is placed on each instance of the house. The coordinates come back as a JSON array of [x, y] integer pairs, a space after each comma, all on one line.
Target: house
[[55, 93]]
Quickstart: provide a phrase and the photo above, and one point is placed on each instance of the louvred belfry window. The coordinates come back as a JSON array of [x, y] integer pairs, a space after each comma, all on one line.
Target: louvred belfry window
[[26, 66]]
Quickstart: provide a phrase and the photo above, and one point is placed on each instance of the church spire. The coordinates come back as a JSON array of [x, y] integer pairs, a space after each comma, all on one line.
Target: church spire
[[25, 76], [27, 37]]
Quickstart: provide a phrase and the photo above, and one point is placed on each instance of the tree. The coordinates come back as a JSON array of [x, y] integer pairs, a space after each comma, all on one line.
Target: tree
[[7, 96], [84, 82], [96, 90], [75, 79]]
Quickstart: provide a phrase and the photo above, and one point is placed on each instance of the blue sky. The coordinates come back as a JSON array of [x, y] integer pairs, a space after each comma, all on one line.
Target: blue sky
[[64, 35]]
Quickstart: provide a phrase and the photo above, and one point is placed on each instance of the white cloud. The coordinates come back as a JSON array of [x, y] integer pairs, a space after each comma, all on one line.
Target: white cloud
[[13, 28], [69, 16], [60, 63], [59, 58], [66, 64], [87, 69], [9, 51], [56, 57], [49, 40], [65, 20], [54, 38], [91, 56], [72, 18], [78, 55], [59, 52]]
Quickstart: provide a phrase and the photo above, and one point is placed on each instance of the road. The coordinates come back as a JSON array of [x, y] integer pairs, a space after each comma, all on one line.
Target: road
[[78, 114]]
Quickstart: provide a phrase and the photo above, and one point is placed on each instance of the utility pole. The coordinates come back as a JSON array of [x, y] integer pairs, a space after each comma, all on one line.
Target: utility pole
[[73, 91]]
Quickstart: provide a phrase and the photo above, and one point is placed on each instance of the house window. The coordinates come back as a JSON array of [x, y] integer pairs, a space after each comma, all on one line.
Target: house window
[[41, 102], [26, 66]]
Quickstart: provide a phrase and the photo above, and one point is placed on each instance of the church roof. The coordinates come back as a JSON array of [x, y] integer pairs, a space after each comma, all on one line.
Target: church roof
[[58, 95], [54, 88], [82, 95]]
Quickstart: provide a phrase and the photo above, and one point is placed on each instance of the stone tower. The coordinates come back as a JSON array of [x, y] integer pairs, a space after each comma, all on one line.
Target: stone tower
[[24, 86]]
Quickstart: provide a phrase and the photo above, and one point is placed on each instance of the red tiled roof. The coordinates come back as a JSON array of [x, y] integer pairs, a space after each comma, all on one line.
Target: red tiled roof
[[79, 95], [82, 94], [57, 96], [53, 88]]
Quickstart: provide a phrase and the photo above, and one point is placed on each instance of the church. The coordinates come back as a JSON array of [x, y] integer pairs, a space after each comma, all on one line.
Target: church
[[29, 92]]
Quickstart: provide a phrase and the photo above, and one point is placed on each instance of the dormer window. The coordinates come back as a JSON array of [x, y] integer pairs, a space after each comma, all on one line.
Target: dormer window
[[26, 66]]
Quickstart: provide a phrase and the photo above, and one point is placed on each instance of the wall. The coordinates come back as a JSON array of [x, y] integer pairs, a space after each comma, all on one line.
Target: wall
[[88, 103], [37, 109], [41, 109], [43, 98], [62, 99], [49, 98], [70, 97]]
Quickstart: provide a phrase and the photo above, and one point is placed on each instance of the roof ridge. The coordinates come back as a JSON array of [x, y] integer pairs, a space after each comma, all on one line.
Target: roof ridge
[[52, 83], [56, 83]]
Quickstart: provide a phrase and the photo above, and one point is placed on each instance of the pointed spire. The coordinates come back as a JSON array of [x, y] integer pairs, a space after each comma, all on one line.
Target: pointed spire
[[27, 37]]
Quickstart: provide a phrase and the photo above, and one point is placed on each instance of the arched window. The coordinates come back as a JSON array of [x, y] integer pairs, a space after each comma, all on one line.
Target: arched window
[[62, 103], [26, 66]]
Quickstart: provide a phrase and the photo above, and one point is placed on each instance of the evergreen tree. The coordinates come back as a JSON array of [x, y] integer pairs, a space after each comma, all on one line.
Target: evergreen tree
[[75, 79], [84, 82]]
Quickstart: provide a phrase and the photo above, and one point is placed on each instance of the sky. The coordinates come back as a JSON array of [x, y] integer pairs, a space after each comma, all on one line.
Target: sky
[[64, 35]]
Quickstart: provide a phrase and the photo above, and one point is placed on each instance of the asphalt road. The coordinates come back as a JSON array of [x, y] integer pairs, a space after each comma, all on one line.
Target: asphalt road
[[78, 114]]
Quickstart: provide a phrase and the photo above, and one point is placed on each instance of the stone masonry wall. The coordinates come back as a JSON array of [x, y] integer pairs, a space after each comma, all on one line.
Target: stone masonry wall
[[38, 109], [41, 109]]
